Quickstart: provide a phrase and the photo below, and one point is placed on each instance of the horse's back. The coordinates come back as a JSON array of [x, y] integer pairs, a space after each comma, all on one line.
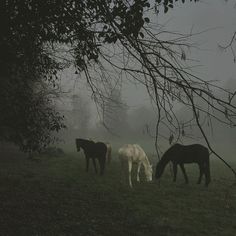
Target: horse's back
[[125, 151], [140, 152], [190, 153], [132, 152], [195, 149], [93, 149]]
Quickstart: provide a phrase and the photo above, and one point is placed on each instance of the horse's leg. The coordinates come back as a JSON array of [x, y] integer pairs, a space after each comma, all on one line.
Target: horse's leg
[[201, 173], [122, 163], [102, 164], [95, 166], [184, 172], [207, 173], [87, 163], [138, 170], [130, 169], [175, 171]]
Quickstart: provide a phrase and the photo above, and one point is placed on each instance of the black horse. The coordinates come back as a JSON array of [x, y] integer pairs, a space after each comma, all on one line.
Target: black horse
[[94, 151], [179, 154]]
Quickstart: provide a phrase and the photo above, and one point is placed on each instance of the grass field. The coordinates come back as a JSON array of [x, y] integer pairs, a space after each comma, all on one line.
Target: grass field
[[54, 196]]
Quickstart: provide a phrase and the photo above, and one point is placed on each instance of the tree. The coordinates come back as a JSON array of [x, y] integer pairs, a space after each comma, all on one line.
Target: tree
[[230, 45], [116, 40], [33, 34], [80, 115], [115, 113], [28, 116], [144, 123]]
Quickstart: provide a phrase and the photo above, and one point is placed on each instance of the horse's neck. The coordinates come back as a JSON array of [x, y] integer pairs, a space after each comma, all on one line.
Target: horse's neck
[[164, 161], [84, 145]]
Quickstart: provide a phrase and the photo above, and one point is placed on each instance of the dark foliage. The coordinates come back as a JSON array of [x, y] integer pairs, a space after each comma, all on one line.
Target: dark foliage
[[31, 30]]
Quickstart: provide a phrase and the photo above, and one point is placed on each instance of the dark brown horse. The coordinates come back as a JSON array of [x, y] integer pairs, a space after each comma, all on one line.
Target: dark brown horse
[[179, 155], [94, 151]]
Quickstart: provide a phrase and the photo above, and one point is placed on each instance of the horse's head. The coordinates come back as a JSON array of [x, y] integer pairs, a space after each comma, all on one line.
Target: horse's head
[[77, 144], [149, 173]]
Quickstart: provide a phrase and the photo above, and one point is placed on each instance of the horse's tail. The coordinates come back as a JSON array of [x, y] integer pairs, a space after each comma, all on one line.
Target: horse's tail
[[207, 169], [108, 153]]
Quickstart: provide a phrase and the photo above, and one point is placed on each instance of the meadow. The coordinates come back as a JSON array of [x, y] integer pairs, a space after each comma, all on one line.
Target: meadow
[[55, 196]]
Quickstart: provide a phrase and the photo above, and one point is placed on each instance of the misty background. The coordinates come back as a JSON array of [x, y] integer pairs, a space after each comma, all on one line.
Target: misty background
[[129, 116]]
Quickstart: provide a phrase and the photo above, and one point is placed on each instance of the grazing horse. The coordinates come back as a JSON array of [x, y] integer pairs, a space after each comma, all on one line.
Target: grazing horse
[[94, 151], [179, 154], [133, 153]]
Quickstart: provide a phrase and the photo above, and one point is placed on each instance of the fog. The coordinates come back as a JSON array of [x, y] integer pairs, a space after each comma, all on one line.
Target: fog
[[134, 121]]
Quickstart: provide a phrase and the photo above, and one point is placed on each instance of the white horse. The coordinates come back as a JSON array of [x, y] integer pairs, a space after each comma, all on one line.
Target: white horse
[[133, 153]]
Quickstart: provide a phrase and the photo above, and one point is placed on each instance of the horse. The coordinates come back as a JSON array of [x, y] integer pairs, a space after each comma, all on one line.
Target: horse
[[180, 154], [133, 153], [94, 151]]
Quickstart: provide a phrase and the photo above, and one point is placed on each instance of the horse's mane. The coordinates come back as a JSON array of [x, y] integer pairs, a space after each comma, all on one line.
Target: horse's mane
[[167, 155]]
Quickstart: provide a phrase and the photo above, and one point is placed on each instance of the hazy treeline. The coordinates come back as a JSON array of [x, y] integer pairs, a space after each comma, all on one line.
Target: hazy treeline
[[121, 124]]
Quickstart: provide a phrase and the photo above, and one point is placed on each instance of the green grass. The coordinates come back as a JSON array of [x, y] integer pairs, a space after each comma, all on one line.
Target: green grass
[[55, 196]]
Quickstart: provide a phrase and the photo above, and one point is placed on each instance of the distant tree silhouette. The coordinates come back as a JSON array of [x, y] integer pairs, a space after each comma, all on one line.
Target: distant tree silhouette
[[80, 115], [115, 113]]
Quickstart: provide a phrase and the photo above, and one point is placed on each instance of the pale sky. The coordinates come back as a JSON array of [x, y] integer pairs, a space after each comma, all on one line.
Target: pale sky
[[216, 17]]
